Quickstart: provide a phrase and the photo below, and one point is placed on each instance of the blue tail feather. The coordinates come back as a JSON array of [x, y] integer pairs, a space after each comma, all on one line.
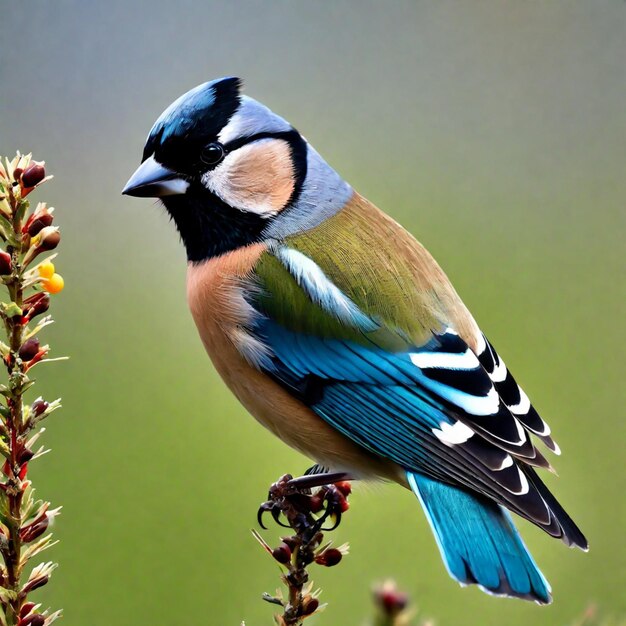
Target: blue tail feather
[[478, 541]]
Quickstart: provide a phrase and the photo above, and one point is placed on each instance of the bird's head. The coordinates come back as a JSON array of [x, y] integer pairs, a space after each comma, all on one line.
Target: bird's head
[[225, 167]]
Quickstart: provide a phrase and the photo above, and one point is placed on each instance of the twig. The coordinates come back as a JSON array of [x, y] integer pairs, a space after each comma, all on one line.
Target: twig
[[309, 514]]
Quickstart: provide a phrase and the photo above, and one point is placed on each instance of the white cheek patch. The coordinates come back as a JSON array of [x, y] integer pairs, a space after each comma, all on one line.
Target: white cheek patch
[[256, 178]]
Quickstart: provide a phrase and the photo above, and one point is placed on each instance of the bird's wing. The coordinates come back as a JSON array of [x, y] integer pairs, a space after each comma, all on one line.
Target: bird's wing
[[392, 370]]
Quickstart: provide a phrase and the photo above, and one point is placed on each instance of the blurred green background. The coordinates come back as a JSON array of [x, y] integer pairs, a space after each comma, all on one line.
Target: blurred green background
[[495, 131]]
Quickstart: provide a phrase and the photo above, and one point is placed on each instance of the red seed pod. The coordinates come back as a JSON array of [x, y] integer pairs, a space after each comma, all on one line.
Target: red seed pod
[[36, 619], [42, 214], [282, 553], [25, 455], [329, 557], [345, 487], [49, 238], [36, 305], [38, 407], [291, 542], [6, 264], [27, 607], [31, 532], [29, 349], [391, 600], [33, 175], [39, 223], [34, 584], [316, 503], [310, 605], [17, 172]]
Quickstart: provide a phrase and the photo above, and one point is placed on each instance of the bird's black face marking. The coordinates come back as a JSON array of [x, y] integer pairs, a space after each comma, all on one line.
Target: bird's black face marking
[[182, 133], [208, 226], [191, 139]]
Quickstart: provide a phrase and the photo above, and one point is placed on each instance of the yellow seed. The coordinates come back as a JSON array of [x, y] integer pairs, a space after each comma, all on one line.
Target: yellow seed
[[46, 269], [54, 284]]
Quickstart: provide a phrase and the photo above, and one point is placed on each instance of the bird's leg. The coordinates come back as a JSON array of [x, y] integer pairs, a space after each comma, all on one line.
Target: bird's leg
[[313, 479]]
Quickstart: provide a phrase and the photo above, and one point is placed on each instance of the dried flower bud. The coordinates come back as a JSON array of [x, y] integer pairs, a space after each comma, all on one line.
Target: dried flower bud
[[36, 305], [316, 503], [43, 215], [36, 619], [39, 223], [291, 542], [25, 455], [33, 531], [391, 600], [27, 607], [29, 349], [282, 553], [48, 238], [33, 174], [39, 407], [31, 585], [329, 557], [310, 605], [345, 487], [6, 264]]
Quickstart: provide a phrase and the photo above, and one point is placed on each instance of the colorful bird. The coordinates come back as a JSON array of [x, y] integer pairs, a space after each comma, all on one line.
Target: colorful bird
[[342, 335]]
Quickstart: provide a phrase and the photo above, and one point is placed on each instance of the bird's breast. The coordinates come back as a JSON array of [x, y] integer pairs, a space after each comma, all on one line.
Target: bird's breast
[[215, 293]]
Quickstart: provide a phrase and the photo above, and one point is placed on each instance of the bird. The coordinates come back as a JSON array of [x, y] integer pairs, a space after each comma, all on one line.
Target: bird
[[339, 332]]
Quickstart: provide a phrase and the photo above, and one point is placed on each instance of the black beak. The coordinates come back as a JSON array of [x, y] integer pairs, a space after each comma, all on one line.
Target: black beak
[[153, 180]]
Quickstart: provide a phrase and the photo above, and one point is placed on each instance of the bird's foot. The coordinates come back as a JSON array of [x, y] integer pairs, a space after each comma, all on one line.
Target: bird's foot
[[306, 511]]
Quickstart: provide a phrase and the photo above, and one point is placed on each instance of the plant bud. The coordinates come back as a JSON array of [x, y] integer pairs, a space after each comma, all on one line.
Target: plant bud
[[316, 503], [282, 553], [36, 305], [49, 238], [6, 265], [25, 455], [391, 600], [291, 542], [345, 487], [39, 223], [33, 531], [27, 607], [36, 619], [38, 407], [33, 174], [329, 557], [29, 349], [310, 605], [34, 584]]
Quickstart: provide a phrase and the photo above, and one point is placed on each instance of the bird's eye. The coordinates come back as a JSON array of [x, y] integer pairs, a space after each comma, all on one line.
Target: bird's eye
[[212, 154]]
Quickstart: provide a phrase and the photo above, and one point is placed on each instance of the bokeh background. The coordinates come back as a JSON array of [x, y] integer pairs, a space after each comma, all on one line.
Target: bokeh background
[[494, 130]]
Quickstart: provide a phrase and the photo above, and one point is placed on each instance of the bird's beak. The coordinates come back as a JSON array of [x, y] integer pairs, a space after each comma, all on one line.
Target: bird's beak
[[153, 180]]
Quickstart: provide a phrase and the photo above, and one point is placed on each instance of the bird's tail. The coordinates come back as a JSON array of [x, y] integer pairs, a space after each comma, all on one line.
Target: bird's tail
[[478, 541]]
